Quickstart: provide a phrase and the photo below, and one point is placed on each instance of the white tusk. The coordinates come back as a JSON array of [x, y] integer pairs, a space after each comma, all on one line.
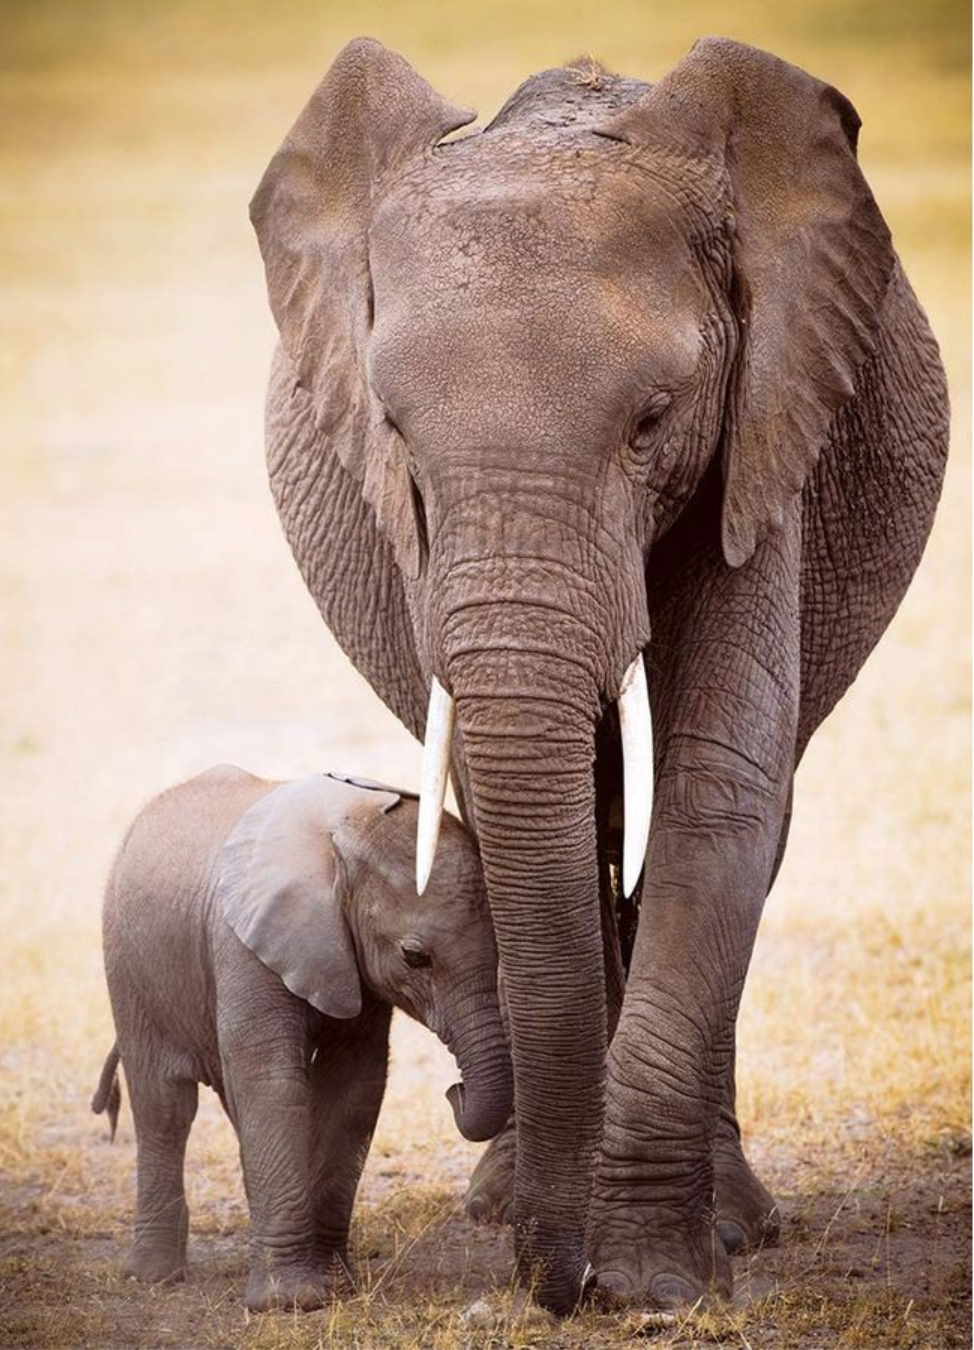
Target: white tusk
[[636, 728], [433, 779]]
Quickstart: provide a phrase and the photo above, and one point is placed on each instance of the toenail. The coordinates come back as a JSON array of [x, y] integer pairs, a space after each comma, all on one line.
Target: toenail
[[612, 1286], [670, 1291], [731, 1235]]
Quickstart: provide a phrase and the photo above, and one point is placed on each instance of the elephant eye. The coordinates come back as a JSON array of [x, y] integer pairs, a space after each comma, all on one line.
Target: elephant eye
[[414, 953], [419, 512], [389, 419], [644, 427]]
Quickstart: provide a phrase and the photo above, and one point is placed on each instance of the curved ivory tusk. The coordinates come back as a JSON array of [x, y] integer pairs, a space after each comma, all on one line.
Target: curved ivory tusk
[[636, 728], [433, 779]]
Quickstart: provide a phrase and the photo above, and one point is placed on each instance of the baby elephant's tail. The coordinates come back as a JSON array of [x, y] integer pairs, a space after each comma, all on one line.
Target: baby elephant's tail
[[108, 1095]]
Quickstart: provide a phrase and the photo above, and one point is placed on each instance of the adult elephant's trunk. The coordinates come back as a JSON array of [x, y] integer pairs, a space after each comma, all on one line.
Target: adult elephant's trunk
[[530, 772], [526, 705], [534, 612], [482, 1102]]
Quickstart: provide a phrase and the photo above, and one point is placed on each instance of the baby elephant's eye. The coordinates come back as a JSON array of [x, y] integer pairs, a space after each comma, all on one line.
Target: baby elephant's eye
[[414, 953]]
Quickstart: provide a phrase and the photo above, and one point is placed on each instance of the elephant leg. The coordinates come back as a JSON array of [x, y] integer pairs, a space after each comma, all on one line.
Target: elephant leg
[[163, 1110], [747, 1213], [728, 708], [652, 1235], [348, 1083], [269, 1100], [490, 1194]]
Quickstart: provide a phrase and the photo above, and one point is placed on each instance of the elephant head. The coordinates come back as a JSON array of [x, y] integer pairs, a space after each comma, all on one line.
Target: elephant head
[[529, 349]]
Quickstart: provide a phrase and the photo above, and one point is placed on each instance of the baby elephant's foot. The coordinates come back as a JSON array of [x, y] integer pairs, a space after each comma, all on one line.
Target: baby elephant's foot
[[490, 1195], [155, 1265], [747, 1214], [292, 1287]]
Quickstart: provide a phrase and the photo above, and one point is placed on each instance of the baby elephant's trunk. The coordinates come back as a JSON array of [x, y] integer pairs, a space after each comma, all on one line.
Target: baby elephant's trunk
[[483, 1101], [108, 1094]]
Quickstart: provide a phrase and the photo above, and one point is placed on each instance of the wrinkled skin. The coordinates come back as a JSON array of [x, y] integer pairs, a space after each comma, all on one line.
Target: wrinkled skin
[[256, 937], [631, 370]]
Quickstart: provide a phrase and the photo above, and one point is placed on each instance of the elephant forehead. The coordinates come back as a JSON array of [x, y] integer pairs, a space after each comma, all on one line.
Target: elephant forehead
[[530, 282], [494, 228]]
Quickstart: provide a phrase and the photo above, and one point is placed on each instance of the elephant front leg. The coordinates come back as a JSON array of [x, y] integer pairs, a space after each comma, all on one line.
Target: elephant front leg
[[725, 689], [746, 1211], [270, 1103], [748, 1215], [653, 1237], [490, 1194], [348, 1083]]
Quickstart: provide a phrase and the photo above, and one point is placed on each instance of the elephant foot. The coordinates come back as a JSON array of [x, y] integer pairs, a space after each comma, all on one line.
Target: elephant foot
[[490, 1195], [659, 1269], [290, 1288], [747, 1213], [152, 1265]]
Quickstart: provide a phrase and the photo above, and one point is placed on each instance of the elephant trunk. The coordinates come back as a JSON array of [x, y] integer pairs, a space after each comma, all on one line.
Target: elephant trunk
[[528, 745], [534, 614], [483, 1101]]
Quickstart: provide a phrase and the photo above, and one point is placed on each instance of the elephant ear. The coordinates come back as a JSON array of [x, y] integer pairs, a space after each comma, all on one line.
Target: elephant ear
[[281, 887], [393, 795], [369, 118], [813, 259]]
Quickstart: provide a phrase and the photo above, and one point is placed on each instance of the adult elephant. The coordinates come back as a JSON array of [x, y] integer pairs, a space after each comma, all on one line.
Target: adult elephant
[[632, 375]]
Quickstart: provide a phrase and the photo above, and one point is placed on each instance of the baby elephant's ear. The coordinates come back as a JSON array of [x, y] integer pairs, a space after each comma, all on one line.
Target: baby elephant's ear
[[280, 887]]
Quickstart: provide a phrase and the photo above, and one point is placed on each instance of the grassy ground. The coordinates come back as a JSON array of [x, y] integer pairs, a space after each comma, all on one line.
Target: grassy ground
[[153, 624]]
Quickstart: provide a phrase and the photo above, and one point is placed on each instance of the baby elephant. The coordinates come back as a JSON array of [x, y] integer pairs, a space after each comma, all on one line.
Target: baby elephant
[[256, 937]]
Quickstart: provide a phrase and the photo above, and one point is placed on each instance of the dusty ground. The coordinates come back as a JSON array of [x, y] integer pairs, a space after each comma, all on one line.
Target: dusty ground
[[872, 1255], [153, 624]]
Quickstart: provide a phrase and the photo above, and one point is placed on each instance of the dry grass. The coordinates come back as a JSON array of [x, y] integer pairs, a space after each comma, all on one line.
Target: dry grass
[[153, 624]]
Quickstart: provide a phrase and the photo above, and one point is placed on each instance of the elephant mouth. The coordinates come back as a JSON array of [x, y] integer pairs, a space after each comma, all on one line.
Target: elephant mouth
[[454, 1096], [457, 1097]]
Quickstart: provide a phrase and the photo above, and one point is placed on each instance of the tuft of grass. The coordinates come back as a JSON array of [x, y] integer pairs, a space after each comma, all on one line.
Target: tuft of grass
[[587, 71]]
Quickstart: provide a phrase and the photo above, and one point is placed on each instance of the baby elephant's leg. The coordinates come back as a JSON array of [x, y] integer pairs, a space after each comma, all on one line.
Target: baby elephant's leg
[[269, 1102], [348, 1082], [163, 1110], [268, 1098]]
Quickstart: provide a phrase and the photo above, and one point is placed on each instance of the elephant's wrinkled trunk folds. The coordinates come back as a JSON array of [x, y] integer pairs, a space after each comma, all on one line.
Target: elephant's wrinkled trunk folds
[[531, 777], [526, 713], [529, 630]]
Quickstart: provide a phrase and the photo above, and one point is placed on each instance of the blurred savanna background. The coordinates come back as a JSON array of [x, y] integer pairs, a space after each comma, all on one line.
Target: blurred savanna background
[[154, 624]]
